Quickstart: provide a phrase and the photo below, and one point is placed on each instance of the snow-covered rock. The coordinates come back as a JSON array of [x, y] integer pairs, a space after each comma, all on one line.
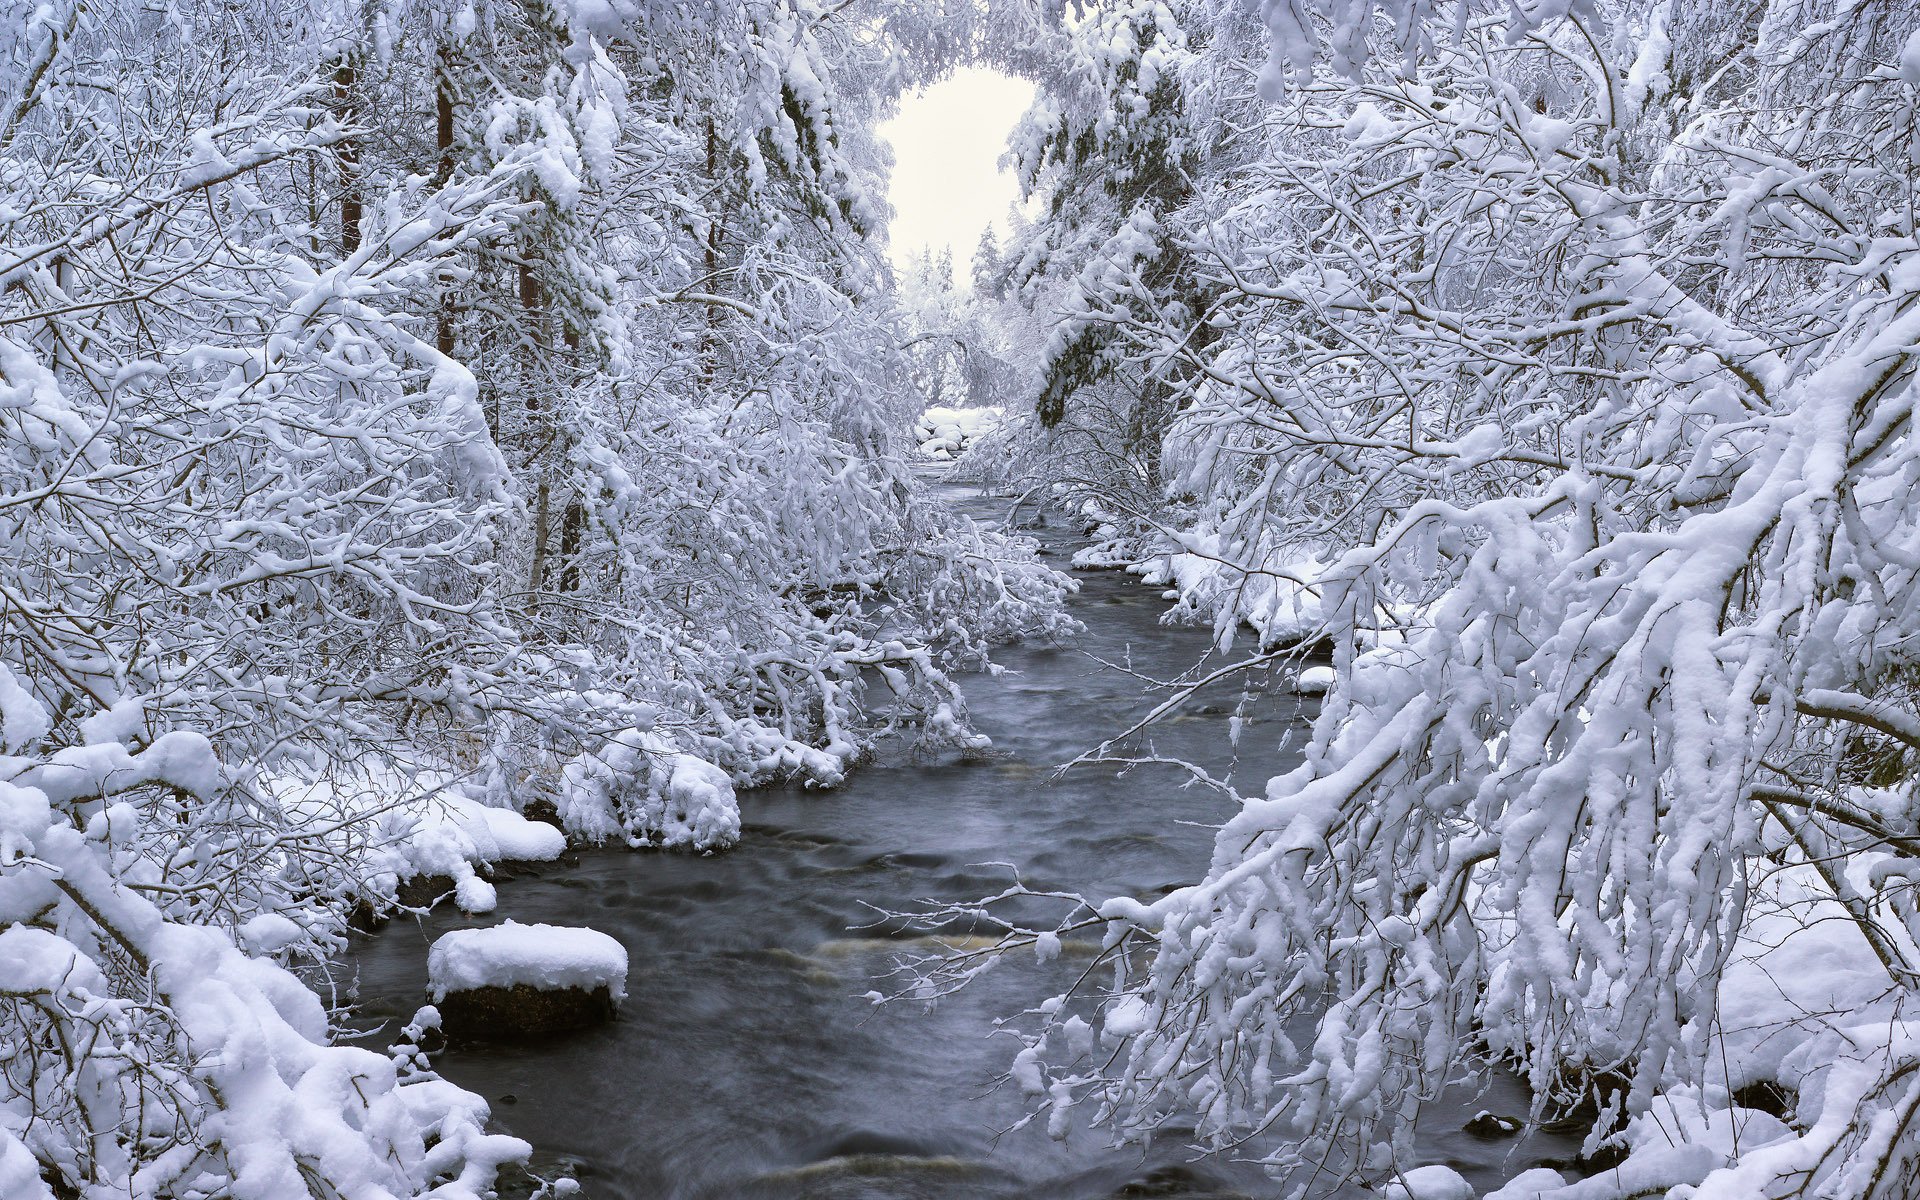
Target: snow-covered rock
[[1436, 1182], [401, 825], [944, 433], [1315, 681], [543, 957], [1277, 596], [450, 836], [520, 981], [1529, 1185]]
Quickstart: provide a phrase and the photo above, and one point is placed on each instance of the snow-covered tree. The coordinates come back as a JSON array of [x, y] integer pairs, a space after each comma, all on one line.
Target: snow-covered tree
[[1565, 368], [245, 503], [496, 396]]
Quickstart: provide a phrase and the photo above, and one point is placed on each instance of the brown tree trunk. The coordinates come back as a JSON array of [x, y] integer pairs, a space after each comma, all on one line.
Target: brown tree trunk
[[573, 529], [347, 155], [443, 97]]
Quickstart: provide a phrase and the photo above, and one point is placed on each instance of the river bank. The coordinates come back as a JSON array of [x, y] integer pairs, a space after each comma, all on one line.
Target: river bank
[[746, 1062]]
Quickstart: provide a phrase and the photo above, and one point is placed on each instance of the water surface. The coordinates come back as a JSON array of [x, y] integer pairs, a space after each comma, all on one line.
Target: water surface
[[746, 1061]]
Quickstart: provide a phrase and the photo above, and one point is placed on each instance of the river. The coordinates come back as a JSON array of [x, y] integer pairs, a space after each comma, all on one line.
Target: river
[[745, 1062]]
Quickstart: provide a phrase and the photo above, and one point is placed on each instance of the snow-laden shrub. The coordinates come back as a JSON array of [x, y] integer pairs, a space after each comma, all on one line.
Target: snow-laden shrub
[[1580, 340], [143, 1050], [373, 408], [641, 784]]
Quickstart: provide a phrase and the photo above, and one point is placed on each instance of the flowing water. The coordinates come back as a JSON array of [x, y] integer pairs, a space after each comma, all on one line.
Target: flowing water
[[746, 1062]]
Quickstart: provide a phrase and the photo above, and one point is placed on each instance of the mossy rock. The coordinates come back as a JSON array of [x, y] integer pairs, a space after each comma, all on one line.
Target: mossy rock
[[521, 1011]]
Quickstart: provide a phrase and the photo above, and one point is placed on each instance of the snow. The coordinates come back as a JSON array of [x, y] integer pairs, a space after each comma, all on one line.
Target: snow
[[1275, 593], [1537, 1183], [265, 1083], [1315, 681], [944, 433], [22, 718], [1434, 1182], [1678, 1119], [24, 816], [269, 640], [548, 957], [1127, 1016], [487, 834], [19, 1172], [640, 784], [420, 824], [1597, 482], [268, 933], [40, 962]]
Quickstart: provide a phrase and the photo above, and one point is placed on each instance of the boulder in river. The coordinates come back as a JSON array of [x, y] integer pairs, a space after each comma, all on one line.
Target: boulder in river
[[1436, 1182], [1529, 1185], [1491, 1126], [522, 981]]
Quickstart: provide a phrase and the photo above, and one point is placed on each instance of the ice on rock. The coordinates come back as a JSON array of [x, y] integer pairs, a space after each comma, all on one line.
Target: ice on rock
[[1434, 1182], [546, 957]]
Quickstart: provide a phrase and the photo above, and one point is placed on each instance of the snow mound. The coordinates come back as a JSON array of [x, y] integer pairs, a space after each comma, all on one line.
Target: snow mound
[[1315, 681], [395, 822], [945, 433], [20, 1171], [35, 961], [453, 829], [1529, 1185], [1278, 596], [548, 957], [641, 785], [1435, 1182]]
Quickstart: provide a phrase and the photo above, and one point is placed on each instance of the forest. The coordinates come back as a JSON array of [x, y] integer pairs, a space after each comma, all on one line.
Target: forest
[[1365, 644]]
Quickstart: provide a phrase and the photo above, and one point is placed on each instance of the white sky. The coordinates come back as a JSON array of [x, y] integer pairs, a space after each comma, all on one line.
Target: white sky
[[947, 140]]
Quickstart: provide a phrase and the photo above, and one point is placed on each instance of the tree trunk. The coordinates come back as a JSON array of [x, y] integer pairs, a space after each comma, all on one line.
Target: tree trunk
[[346, 155], [573, 528]]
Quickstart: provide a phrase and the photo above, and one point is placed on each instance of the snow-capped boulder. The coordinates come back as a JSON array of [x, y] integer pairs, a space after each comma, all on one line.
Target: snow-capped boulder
[[514, 980], [441, 846], [1434, 1182], [944, 433], [1314, 681], [1491, 1125], [1529, 1185]]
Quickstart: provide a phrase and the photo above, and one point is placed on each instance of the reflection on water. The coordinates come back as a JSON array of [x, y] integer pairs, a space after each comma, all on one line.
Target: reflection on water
[[745, 1062]]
